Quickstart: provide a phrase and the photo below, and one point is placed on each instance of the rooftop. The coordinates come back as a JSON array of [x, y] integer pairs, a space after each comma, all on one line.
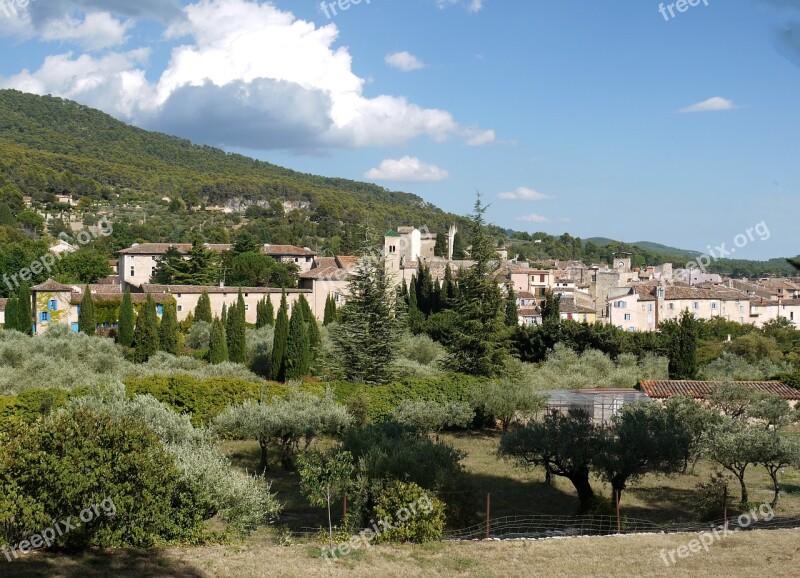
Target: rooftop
[[666, 388]]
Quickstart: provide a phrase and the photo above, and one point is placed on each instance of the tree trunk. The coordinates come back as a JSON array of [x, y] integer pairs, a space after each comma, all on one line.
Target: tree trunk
[[745, 495], [773, 474], [263, 464], [586, 496], [330, 522]]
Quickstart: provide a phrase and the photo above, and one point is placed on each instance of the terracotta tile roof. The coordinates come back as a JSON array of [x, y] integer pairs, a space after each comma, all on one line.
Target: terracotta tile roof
[[526, 295], [324, 273], [774, 302], [665, 388], [569, 306], [104, 289], [51, 285], [158, 298], [530, 312], [347, 262], [286, 251], [198, 289], [155, 248]]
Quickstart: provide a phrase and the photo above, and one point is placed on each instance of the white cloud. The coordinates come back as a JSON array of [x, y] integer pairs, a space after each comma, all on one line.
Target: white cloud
[[711, 104], [523, 194], [533, 218], [96, 31], [409, 169], [257, 76], [404, 61], [477, 137], [473, 6]]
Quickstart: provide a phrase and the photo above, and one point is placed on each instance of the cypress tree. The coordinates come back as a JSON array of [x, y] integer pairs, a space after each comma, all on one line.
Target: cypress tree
[[86, 320], [224, 316], [11, 317], [217, 347], [168, 335], [265, 315], [331, 314], [415, 317], [126, 321], [683, 349], [24, 311], [449, 287], [278, 372], [236, 331], [512, 313], [203, 310], [145, 335], [297, 345]]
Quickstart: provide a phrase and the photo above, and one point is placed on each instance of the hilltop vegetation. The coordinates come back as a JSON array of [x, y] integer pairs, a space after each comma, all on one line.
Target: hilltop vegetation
[[147, 184]]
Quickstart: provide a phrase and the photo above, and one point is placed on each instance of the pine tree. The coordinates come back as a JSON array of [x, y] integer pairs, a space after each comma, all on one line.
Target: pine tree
[[217, 345], [448, 288], [366, 336], [330, 311], [440, 249], [512, 313], [145, 336], [25, 311], [235, 329], [168, 335], [551, 309], [126, 321], [203, 310], [86, 319], [11, 318], [6, 216], [298, 349], [279, 342]]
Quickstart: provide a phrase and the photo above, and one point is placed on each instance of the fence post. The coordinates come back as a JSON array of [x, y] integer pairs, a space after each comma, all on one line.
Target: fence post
[[344, 508], [488, 512], [725, 505], [619, 528]]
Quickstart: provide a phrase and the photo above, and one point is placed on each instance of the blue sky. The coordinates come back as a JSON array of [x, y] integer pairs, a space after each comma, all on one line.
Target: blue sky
[[597, 119]]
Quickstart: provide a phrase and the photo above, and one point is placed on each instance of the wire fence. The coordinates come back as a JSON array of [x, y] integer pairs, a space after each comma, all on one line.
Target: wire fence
[[545, 526]]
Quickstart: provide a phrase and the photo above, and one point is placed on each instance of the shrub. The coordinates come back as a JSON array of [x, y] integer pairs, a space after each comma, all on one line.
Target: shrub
[[712, 497], [413, 515], [76, 458]]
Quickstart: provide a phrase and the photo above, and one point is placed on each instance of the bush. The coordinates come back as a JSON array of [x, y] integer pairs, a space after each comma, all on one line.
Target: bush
[[712, 496], [76, 458], [413, 515], [202, 399], [199, 335]]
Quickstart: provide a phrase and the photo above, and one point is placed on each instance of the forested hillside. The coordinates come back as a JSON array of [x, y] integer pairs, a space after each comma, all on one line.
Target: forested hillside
[[154, 187]]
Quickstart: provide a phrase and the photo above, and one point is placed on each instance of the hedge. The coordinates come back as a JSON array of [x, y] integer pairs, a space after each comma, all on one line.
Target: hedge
[[205, 398]]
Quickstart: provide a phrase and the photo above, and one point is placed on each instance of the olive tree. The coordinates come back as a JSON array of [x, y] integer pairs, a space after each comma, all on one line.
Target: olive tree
[[285, 423], [642, 438], [325, 477], [508, 401], [564, 444], [433, 416]]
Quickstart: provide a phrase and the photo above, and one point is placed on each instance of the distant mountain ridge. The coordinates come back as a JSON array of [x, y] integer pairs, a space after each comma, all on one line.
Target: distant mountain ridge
[[649, 246]]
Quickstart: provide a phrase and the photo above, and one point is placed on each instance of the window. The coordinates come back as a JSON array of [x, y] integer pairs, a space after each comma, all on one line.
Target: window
[[180, 308], [75, 327], [627, 317], [44, 317], [160, 309], [713, 305], [672, 306], [541, 278], [631, 330], [392, 249], [296, 260], [650, 307], [621, 304], [247, 307], [133, 272], [53, 305], [696, 305]]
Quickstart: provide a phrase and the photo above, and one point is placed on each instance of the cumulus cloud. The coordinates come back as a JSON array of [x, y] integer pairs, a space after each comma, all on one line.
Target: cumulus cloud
[[404, 61], [406, 169], [533, 218], [711, 104], [96, 31], [262, 77], [523, 194], [477, 137]]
